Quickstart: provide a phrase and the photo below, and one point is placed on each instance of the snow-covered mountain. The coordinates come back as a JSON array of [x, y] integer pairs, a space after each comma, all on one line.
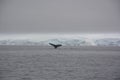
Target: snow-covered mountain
[[65, 42]]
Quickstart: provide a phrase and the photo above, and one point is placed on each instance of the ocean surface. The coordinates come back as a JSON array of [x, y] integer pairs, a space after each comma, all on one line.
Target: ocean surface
[[64, 63]]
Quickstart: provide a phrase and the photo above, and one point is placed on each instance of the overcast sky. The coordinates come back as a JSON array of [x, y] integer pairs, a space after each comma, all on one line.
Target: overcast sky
[[59, 16]]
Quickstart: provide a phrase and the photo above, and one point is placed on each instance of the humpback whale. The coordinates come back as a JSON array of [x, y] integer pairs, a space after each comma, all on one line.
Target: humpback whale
[[55, 45]]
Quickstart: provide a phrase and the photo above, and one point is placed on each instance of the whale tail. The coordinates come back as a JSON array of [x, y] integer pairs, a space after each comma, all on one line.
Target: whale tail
[[55, 45]]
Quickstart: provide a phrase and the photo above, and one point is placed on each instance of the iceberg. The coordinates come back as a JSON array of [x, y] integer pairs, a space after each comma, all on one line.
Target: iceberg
[[107, 42]]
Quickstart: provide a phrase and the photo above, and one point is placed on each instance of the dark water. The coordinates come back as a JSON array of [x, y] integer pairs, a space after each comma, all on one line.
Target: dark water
[[61, 64]]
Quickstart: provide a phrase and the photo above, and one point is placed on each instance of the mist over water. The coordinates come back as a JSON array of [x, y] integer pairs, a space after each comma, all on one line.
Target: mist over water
[[41, 37]]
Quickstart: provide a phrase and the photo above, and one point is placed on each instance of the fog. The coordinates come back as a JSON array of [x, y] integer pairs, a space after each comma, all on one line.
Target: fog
[[59, 16]]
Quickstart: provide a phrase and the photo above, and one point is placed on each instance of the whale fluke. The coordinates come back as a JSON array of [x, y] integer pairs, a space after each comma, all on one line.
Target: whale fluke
[[55, 45]]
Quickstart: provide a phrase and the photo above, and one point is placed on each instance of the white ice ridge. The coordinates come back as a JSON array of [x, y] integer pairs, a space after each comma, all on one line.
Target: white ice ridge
[[64, 39]]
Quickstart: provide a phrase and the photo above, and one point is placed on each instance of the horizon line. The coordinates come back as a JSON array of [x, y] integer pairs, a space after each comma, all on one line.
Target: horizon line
[[52, 36]]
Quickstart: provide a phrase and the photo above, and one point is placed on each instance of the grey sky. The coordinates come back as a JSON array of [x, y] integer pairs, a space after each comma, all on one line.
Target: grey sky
[[59, 16]]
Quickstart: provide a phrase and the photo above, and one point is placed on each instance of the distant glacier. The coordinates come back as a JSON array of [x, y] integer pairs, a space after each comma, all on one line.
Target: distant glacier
[[108, 42], [64, 41]]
